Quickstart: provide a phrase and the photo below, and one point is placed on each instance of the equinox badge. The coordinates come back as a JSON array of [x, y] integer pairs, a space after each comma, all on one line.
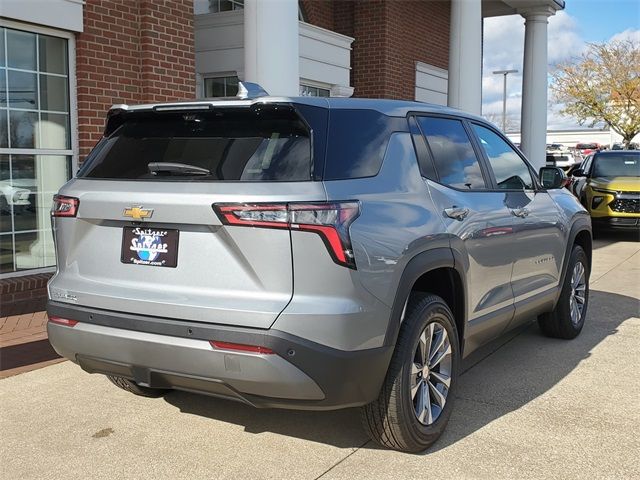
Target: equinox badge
[[138, 213]]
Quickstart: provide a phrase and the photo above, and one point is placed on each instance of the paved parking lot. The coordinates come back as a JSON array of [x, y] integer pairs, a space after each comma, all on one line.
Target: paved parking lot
[[527, 407]]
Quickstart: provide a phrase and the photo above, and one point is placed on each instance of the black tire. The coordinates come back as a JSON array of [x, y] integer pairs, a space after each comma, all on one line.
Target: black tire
[[558, 323], [133, 387], [391, 420]]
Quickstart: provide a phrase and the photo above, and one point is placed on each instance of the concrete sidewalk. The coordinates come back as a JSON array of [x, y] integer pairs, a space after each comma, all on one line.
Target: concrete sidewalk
[[532, 408]]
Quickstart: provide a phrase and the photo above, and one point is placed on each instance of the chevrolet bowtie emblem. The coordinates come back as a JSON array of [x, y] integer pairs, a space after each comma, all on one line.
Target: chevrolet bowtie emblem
[[138, 213]]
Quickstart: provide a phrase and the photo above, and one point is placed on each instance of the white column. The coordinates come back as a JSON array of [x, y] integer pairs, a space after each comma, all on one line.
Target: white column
[[465, 56], [534, 86], [271, 45]]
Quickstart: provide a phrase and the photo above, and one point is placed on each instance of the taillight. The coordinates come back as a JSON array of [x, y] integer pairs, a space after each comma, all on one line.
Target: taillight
[[64, 206], [240, 347], [330, 220], [63, 321]]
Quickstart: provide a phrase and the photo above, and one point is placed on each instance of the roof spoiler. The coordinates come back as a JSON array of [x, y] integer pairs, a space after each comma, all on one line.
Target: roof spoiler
[[248, 90]]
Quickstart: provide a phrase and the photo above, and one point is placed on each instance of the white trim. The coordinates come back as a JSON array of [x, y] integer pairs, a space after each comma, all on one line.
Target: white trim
[[73, 105], [32, 110], [230, 17], [13, 69], [56, 14], [326, 36], [313, 84], [432, 70], [35, 151], [27, 27]]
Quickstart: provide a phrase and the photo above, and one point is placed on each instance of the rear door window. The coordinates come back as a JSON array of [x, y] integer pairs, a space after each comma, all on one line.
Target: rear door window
[[455, 160], [245, 145]]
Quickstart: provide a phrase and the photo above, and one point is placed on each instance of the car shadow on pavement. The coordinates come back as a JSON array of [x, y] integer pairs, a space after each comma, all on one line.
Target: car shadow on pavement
[[498, 379], [603, 238]]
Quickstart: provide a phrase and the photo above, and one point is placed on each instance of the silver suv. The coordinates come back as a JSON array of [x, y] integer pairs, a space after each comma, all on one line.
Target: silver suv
[[310, 253]]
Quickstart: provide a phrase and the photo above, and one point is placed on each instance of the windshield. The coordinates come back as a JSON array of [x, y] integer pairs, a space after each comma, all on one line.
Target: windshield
[[225, 145], [617, 165]]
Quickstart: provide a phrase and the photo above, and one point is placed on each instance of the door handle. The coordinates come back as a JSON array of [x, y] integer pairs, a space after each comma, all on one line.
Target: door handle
[[520, 212], [457, 213]]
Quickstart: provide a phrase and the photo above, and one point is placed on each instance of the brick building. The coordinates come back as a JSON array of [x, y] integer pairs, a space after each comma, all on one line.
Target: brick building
[[63, 63]]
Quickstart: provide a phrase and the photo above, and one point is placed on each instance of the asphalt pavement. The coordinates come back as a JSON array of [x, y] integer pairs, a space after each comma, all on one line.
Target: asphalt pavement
[[526, 407]]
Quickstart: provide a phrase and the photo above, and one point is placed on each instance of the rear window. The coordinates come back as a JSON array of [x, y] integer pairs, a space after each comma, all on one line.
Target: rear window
[[247, 145], [357, 141]]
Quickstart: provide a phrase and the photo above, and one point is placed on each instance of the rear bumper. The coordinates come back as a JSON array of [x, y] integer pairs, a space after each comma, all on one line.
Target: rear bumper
[[168, 353]]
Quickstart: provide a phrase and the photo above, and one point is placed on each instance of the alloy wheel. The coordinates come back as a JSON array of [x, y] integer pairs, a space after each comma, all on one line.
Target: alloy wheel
[[431, 373], [578, 296]]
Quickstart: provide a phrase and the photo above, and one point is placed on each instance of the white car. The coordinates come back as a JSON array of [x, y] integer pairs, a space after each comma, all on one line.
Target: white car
[[15, 193], [560, 158]]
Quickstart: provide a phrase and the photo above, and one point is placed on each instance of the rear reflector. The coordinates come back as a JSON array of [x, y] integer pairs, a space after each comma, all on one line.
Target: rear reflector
[[63, 321], [64, 206], [330, 220], [240, 347]]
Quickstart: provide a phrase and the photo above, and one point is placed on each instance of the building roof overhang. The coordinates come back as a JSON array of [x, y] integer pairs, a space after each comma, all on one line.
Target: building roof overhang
[[497, 8]]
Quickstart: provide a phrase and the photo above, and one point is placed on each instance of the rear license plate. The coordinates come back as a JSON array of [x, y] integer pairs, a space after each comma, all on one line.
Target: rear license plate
[[152, 246]]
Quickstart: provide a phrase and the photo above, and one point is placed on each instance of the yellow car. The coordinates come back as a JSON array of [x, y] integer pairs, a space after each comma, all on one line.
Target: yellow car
[[608, 185]]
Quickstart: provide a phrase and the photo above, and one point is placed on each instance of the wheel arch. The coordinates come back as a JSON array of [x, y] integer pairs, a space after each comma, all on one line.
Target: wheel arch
[[433, 271], [579, 234]]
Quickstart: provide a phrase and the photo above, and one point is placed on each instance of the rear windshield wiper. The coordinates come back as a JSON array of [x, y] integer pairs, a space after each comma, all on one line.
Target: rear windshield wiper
[[169, 168]]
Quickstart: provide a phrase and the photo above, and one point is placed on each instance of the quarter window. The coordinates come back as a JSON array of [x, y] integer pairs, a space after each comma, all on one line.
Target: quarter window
[[455, 160], [510, 170]]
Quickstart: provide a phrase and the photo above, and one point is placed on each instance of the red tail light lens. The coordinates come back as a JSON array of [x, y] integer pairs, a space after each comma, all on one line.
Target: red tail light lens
[[64, 206], [241, 347], [329, 220], [63, 321]]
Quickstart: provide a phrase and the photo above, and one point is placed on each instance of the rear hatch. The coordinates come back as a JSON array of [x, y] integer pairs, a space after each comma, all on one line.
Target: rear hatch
[[146, 238]]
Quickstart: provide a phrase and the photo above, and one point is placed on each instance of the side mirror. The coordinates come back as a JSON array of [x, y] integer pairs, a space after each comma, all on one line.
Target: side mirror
[[578, 172], [552, 177]]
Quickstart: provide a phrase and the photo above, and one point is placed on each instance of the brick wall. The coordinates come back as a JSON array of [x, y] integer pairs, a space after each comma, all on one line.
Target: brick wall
[[390, 36], [318, 12], [25, 294], [131, 52]]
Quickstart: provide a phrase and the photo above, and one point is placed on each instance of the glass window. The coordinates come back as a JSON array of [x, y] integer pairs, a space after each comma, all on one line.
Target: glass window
[[24, 129], [308, 91], [232, 145], [53, 93], [453, 154], [21, 50], [220, 87], [52, 54], [4, 130], [357, 141], [2, 62], [22, 90], [510, 170], [34, 115], [27, 184]]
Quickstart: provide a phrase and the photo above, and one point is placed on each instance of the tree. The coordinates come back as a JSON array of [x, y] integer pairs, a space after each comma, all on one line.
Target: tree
[[512, 124], [603, 84]]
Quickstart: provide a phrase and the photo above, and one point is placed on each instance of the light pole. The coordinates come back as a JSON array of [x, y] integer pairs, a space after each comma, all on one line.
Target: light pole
[[504, 74]]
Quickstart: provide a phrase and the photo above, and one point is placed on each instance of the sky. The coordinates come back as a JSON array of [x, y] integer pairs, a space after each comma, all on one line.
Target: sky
[[581, 22]]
